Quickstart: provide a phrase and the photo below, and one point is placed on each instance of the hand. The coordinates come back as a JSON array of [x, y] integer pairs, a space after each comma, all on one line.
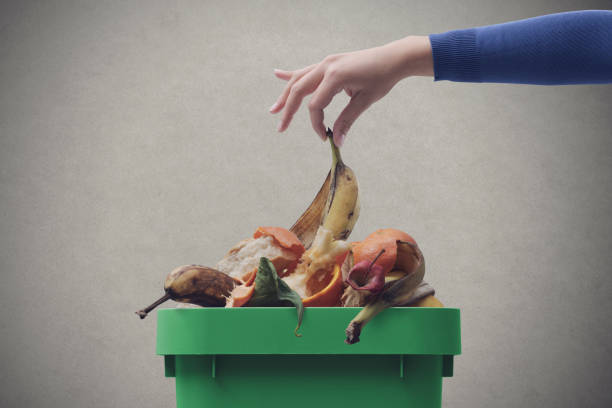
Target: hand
[[365, 76]]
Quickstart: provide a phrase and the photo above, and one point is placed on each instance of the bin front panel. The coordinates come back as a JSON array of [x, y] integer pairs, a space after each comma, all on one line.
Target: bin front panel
[[307, 381]]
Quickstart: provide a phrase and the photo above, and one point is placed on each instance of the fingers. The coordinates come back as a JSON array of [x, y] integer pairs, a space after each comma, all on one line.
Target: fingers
[[282, 74], [319, 101], [306, 85], [294, 77], [356, 106], [316, 118]]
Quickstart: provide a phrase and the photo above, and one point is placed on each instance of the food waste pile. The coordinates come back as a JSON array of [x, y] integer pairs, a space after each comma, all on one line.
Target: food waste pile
[[312, 264]]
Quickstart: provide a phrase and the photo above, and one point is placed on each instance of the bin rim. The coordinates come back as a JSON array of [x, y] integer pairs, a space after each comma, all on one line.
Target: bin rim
[[270, 330]]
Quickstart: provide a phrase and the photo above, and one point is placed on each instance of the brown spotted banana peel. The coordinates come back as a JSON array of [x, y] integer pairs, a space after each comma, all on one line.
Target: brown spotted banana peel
[[336, 205], [195, 284], [395, 293], [305, 228]]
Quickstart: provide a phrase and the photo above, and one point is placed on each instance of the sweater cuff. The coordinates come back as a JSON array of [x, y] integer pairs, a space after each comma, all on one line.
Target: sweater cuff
[[455, 56]]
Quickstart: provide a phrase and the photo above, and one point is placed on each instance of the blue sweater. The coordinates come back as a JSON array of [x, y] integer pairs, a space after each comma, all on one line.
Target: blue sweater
[[564, 48]]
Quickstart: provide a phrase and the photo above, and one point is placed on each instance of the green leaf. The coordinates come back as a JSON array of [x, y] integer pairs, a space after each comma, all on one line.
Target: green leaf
[[270, 290]]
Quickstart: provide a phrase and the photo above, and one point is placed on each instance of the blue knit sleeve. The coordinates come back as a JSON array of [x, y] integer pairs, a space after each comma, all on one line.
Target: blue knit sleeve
[[565, 48]]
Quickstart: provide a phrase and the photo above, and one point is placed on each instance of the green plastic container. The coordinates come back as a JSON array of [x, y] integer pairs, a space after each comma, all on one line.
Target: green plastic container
[[250, 357]]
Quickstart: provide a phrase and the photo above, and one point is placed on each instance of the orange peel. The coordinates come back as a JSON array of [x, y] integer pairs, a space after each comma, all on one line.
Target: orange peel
[[287, 240], [380, 239], [327, 291], [283, 237], [241, 294], [330, 294]]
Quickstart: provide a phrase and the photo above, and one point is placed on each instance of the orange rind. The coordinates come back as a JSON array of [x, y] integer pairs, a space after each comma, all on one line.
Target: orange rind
[[326, 292], [371, 246]]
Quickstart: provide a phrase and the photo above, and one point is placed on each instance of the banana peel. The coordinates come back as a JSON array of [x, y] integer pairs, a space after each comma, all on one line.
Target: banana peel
[[197, 285], [336, 206], [395, 293]]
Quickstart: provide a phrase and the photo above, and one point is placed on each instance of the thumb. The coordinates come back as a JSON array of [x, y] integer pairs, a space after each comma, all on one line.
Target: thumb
[[356, 106]]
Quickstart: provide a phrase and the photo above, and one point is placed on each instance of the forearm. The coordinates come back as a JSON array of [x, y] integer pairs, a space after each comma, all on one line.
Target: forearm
[[565, 48]]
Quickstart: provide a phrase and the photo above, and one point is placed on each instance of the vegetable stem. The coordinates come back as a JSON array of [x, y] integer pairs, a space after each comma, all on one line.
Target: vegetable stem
[[144, 312], [382, 251]]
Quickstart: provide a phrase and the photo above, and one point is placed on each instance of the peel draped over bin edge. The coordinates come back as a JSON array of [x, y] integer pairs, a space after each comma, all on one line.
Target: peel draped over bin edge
[[270, 290], [383, 256], [395, 293]]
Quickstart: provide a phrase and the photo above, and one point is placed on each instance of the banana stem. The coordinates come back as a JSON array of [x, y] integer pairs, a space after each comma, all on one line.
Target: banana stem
[[144, 312], [336, 158], [367, 313]]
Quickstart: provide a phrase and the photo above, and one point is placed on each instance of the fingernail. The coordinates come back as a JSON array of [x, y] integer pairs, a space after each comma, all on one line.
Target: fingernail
[[280, 127], [339, 140], [322, 136], [274, 106]]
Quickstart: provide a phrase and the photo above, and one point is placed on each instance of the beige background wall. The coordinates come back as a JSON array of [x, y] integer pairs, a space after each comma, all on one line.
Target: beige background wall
[[134, 137]]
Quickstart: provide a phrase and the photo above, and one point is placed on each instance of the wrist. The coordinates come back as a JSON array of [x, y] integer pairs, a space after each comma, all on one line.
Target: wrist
[[411, 56]]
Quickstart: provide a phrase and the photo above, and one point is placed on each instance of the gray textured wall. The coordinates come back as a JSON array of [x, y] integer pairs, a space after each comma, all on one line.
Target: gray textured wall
[[134, 137]]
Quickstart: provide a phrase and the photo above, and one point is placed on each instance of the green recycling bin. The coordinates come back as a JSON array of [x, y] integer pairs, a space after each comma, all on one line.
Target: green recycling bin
[[250, 357]]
